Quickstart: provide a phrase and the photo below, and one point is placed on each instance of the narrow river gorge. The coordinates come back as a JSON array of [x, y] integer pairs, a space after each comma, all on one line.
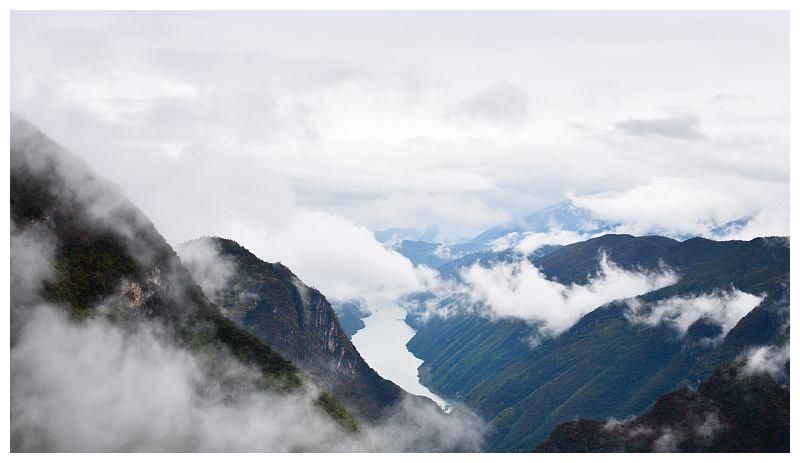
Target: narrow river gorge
[[382, 343]]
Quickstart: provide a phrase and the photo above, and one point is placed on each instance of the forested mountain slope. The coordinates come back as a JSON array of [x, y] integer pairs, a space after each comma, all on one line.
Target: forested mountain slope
[[605, 365]]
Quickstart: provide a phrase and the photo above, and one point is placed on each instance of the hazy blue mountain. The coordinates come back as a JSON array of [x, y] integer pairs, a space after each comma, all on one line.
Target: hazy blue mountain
[[393, 236], [435, 254], [604, 365], [453, 268], [730, 227], [562, 216]]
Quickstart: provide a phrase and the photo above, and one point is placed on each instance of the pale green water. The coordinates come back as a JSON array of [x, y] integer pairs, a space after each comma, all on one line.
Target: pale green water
[[382, 343]]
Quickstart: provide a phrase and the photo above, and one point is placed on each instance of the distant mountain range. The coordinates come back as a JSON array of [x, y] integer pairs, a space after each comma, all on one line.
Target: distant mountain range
[[564, 216], [393, 236]]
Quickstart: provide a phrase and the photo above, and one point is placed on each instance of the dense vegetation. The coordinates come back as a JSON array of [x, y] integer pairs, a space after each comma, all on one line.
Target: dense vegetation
[[729, 412], [106, 252], [604, 365], [269, 301]]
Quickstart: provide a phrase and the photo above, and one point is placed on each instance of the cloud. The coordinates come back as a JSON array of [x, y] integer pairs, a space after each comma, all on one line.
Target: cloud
[[33, 250], [459, 215], [528, 242], [520, 290], [113, 382], [502, 104], [208, 267], [678, 207], [769, 221], [681, 127], [722, 308], [93, 386], [341, 259], [766, 359], [341, 120], [668, 441]]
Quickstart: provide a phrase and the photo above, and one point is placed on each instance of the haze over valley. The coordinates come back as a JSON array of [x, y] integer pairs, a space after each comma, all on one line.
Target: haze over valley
[[440, 231]]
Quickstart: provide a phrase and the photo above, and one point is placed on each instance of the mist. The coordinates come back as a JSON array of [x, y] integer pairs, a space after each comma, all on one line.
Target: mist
[[771, 360], [96, 387], [208, 267], [121, 378], [723, 308], [520, 290]]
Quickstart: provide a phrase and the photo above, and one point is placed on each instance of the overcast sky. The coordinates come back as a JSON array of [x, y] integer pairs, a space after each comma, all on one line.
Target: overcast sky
[[272, 128]]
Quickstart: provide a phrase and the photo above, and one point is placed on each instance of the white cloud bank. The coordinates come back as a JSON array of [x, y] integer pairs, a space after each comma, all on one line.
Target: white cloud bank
[[341, 259], [766, 359], [527, 242], [678, 207], [209, 113], [722, 308], [520, 290], [94, 386]]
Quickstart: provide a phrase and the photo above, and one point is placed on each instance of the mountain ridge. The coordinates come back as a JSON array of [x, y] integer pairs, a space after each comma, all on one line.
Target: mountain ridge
[[271, 302], [519, 390], [110, 264]]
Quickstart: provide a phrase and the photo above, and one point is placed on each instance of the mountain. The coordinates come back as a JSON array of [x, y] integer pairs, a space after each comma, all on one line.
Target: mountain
[[731, 411], [269, 301], [435, 254], [392, 236], [605, 365], [351, 314], [111, 268], [565, 216], [728, 228]]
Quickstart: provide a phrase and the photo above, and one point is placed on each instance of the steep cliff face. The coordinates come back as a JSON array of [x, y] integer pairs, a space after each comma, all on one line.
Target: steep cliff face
[[351, 314], [730, 412], [270, 301]]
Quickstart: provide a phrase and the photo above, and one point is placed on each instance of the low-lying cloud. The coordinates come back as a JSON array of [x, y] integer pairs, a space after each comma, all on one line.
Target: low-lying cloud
[[94, 386], [520, 290], [208, 268], [721, 308], [680, 207], [527, 242], [766, 359], [118, 380]]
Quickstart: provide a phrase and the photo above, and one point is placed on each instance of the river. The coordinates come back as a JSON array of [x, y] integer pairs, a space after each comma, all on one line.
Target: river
[[382, 343]]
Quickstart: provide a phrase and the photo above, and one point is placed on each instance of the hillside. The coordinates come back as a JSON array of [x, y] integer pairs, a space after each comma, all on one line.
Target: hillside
[[111, 268], [729, 412], [270, 302], [604, 365]]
